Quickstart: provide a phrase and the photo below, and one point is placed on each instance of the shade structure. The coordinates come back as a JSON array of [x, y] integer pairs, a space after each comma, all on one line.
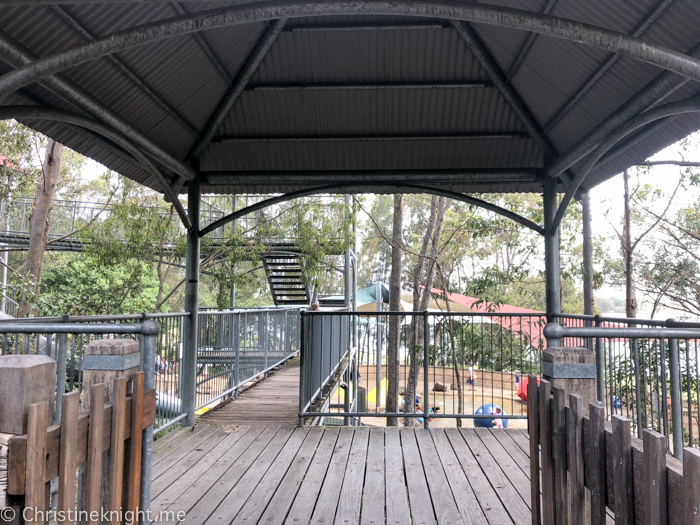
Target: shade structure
[[279, 97]]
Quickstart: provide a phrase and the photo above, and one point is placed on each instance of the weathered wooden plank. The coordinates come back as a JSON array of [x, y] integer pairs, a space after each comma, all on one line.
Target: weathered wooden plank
[[253, 509], [35, 489], [201, 510], [116, 457], [596, 463], [350, 501], [691, 486], [622, 470], [164, 446], [511, 499], [397, 510], [231, 505], [444, 503], [183, 451], [464, 496], [17, 449], [135, 443], [188, 462], [486, 497], [327, 502], [533, 420], [561, 500], [505, 438], [512, 471], [94, 453], [655, 477], [373, 493], [282, 500], [546, 456], [67, 464], [185, 496], [305, 502], [418, 493], [577, 492]]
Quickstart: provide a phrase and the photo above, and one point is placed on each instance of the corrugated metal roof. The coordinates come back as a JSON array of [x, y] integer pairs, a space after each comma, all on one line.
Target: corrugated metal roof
[[182, 75]]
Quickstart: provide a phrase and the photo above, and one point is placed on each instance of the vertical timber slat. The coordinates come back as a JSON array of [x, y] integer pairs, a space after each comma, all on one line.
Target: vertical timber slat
[[691, 486], [35, 486], [596, 463], [534, 432], [66, 457], [622, 470], [135, 448], [548, 516], [94, 453], [559, 449], [575, 451], [116, 457], [655, 478]]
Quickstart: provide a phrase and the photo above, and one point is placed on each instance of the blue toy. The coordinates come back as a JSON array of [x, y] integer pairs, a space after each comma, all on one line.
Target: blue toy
[[486, 422]]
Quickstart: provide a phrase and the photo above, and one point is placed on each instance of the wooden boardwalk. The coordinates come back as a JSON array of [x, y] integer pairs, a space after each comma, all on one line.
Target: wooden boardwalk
[[274, 474], [274, 400]]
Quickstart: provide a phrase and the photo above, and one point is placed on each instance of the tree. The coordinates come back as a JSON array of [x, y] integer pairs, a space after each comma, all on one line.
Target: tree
[[39, 224], [394, 336]]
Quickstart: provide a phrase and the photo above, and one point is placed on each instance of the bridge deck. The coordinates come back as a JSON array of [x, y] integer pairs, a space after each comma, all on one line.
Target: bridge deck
[[273, 474], [274, 400]]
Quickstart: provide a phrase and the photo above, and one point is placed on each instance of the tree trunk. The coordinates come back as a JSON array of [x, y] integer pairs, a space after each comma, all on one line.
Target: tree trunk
[[630, 288], [39, 225], [455, 364], [394, 336]]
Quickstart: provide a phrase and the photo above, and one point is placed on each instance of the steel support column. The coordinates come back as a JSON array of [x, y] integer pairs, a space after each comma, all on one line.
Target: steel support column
[[189, 359], [588, 300], [347, 281], [551, 253]]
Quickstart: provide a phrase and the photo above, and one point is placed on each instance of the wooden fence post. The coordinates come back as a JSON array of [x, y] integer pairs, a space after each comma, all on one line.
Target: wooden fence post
[[24, 381], [548, 516], [561, 500], [575, 450], [596, 462], [691, 486], [655, 478], [533, 420], [66, 457], [623, 480]]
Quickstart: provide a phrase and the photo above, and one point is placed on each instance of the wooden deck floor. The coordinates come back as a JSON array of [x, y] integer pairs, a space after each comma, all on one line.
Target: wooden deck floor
[[273, 474], [274, 400]]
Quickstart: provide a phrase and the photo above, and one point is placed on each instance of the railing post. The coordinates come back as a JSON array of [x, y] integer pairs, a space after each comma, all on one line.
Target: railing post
[[676, 410], [150, 330], [600, 363], [302, 369], [426, 379], [237, 369], [266, 337], [61, 358]]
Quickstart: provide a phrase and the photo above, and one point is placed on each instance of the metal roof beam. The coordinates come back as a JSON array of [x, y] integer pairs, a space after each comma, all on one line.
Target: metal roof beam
[[525, 49], [16, 55], [129, 73], [370, 86], [557, 27], [610, 62], [204, 45], [394, 26], [393, 187], [456, 176], [368, 138], [229, 100], [34, 112]]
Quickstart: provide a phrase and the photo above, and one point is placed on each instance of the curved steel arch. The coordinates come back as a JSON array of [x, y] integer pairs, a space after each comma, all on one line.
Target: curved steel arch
[[667, 110], [396, 188], [445, 9], [41, 113]]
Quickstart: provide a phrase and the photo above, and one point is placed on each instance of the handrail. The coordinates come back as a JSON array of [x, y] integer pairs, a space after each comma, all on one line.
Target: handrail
[[554, 331]]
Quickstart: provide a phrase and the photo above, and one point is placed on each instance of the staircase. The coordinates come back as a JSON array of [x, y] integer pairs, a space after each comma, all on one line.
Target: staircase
[[286, 278]]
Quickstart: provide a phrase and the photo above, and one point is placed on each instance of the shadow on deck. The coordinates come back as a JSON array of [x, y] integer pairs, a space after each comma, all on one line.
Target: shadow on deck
[[272, 474]]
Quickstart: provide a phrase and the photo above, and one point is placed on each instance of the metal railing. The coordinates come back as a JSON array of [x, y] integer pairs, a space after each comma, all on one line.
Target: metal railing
[[468, 365], [236, 347], [646, 370]]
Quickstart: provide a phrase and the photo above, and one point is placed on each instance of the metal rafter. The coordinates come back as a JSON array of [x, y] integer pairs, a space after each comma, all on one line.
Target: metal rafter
[[610, 62], [129, 73], [390, 187], [34, 112], [525, 48], [370, 86], [16, 55], [202, 42], [585, 34], [229, 100], [654, 92], [368, 138]]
